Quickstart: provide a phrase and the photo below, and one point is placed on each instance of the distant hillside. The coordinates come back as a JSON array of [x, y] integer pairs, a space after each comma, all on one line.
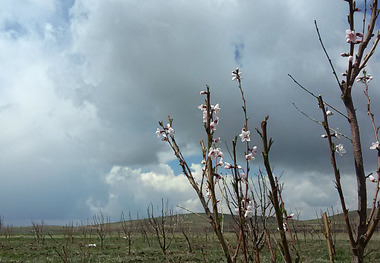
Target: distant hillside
[[199, 222]]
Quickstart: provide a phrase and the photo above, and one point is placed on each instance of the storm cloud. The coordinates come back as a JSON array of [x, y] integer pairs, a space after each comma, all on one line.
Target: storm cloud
[[83, 85]]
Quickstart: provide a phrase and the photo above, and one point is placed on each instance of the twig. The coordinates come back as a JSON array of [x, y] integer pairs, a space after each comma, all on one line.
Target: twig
[[195, 213], [319, 122], [327, 55], [315, 96]]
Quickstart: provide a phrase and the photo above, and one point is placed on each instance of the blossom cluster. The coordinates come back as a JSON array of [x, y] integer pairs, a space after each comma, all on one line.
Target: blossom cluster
[[339, 149], [248, 212], [214, 114], [352, 37], [236, 75], [364, 79], [167, 130]]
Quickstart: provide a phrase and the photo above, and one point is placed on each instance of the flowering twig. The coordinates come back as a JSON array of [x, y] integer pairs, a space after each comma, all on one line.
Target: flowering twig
[[375, 146], [336, 132], [336, 170], [167, 133]]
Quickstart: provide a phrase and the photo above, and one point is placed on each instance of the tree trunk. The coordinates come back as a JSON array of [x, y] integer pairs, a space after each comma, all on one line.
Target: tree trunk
[[358, 254], [358, 250]]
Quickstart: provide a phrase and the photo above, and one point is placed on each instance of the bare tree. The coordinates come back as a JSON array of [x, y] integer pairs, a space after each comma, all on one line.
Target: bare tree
[[8, 232], [63, 252], [143, 227], [258, 223], [101, 226], [184, 227], [84, 229], [68, 232], [38, 230], [127, 227], [163, 225]]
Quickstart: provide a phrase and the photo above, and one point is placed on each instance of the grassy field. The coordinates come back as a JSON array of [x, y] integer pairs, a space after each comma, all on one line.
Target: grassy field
[[71, 244]]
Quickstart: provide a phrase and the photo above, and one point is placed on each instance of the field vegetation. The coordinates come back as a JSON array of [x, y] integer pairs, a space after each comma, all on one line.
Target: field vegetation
[[191, 240]]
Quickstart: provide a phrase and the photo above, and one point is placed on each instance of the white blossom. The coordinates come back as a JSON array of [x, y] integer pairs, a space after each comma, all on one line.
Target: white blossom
[[340, 149]]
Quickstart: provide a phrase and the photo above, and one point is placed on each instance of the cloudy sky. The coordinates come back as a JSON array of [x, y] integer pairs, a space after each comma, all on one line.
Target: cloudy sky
[[83, 85]]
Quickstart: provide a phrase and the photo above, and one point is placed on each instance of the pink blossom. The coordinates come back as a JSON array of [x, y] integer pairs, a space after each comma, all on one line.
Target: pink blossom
[[171, 131], [351, 36], [329, 113], [204, 116], [283, 227], [203, 92], [215, 108], [290, 216], [364, 79], [167, 130], [375, 146], [216, 140], [164, 137], [236, 74], [350, 58], [213, 125], [215, 153], [244, 136], [372, 179], [249, 157], [227, 165], [248, 213], [202, 107], [158, 132]]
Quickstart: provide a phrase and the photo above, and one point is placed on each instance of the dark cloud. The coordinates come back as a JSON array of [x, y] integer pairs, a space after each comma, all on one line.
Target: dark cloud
[[85, 83]]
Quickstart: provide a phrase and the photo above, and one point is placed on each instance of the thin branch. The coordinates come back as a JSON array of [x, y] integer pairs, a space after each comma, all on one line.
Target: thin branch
[[364, 16], [195, 213], [370, 53], [327, 55], [315, 96]]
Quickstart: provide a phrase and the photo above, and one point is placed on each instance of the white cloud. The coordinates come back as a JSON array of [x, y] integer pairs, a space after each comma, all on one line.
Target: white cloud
[[132, 190]]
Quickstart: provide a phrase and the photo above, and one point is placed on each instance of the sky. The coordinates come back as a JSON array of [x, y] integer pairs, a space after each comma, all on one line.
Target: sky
[[83, 85]]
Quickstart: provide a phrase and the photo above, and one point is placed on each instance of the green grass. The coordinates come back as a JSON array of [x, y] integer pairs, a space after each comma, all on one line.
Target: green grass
[[25, 249], [22, 246]]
